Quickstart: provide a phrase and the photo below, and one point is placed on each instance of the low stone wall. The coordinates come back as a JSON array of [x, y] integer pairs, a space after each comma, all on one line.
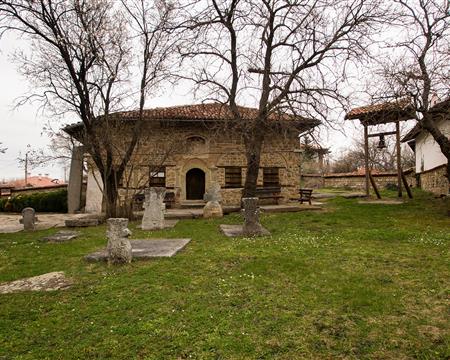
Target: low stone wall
[[434, 180], [312, 181], [33, 190], [353, 181]]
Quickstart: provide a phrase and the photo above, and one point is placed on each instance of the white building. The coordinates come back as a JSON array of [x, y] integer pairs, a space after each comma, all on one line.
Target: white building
[[430, 161]]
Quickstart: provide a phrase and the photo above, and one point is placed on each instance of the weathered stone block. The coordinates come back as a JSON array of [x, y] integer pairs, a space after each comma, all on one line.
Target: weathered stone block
[[28, 219], [119, 247], [153, 218]]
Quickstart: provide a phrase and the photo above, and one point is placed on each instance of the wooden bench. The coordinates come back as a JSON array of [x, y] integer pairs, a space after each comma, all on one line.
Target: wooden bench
[[305, 195], [268, 195]]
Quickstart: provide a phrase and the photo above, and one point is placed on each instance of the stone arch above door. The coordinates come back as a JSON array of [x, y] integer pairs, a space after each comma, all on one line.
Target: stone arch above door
[[189, 165]]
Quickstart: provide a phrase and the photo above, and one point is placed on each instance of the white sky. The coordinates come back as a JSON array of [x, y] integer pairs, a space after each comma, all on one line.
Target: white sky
[[24, 125]]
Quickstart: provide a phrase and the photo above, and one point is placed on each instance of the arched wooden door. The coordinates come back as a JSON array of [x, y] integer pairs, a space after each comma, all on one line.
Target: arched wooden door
[[195, 184]]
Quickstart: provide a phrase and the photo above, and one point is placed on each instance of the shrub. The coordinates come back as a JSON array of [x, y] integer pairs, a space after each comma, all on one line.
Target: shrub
[[55, 201], [3, 203]]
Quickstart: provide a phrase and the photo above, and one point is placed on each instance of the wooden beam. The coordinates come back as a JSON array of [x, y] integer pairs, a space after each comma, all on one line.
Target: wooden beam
[[374, 185], [407, 188], [399, 159], [366, 158], [382, 133]]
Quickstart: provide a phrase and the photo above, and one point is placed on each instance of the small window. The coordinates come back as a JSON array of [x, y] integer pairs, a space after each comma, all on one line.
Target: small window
[[157, 176], [271, 177], [233, 177], [5, 191]]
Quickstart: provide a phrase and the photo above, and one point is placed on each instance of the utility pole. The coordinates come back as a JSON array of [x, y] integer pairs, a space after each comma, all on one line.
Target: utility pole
[[26, 164], [26, 169]]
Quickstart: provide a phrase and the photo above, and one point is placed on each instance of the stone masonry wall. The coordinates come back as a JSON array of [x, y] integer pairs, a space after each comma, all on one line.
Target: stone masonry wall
[[355, 182], [182, 147], [435, 181]]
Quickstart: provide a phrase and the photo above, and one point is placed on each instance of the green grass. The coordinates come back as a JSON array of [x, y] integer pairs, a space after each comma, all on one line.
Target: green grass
[[354, 281]]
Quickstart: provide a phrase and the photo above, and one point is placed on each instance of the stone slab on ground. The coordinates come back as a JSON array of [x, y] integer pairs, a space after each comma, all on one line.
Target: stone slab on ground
[[237, 230], [61, 236], [381, 201], [46, 282], [83, 222], [168, 224], [146, 249]]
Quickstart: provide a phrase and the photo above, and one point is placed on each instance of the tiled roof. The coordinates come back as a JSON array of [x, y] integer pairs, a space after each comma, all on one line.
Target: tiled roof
[[212, 111], [33, 181], [204, 112], [359, 112]]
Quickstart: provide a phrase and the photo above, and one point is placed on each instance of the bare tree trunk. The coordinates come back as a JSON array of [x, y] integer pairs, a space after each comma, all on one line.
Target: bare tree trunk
[[111, 195], [253, 153]]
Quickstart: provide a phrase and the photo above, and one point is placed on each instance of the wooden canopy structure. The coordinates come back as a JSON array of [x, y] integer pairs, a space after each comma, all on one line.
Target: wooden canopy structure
[[377, 114]]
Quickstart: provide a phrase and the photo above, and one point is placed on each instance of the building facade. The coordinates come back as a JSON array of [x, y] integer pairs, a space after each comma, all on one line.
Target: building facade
[[430, 161], [188, 148]]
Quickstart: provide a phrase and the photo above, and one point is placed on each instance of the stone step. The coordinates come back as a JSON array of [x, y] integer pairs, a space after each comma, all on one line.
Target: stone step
[[192, 204]]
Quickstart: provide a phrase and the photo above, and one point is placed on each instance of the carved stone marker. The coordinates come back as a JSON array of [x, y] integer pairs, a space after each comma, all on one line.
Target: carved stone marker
[[213, 209], [119, 247], [154, 207], [250, 212], [28, 219]]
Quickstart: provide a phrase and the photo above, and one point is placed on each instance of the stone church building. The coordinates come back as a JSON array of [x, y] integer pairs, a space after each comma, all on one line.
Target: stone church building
[[188, 148]]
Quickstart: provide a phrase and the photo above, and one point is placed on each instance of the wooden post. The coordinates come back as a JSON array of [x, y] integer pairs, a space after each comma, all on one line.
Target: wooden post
[[405, 183], [374, 185], [366, 159], [399, 158]]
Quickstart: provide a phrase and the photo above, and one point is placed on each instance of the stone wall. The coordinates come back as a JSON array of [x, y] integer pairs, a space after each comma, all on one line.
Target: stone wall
[[353, 181], [182, 147], [33, 190], [434, 180], [312, 181]]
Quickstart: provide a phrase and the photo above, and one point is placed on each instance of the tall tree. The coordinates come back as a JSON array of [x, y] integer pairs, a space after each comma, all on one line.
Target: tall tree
[[81, 63], [417, 66], [288, 56]]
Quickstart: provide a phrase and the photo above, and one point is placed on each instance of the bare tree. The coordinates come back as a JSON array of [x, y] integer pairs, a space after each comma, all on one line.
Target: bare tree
[[81, 59], [353, 158], [290, 57], [417, 67]]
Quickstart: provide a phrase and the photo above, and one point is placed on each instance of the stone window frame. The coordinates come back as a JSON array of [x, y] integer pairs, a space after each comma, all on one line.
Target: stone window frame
[[237, 172], [271, 177], [158, 179]]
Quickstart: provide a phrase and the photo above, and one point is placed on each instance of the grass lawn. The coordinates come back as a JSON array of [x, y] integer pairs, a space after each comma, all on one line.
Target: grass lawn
[[356, 281]]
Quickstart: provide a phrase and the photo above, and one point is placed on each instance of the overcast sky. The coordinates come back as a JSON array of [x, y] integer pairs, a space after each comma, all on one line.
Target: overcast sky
[[24, 125]]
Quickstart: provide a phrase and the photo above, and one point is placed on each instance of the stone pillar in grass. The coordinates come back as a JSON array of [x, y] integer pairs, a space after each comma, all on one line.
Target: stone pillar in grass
[[28, 219], [154, 207], [252, 226], [119, 247], [213, 209]]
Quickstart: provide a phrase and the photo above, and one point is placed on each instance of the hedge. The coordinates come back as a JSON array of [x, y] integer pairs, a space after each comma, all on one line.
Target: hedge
[[54, 201]]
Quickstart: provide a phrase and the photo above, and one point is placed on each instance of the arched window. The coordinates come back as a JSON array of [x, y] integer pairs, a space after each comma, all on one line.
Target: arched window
[[196, 144]]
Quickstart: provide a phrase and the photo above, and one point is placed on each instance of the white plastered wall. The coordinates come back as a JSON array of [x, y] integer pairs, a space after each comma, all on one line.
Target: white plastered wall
[[428, 152], [94, 192]]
